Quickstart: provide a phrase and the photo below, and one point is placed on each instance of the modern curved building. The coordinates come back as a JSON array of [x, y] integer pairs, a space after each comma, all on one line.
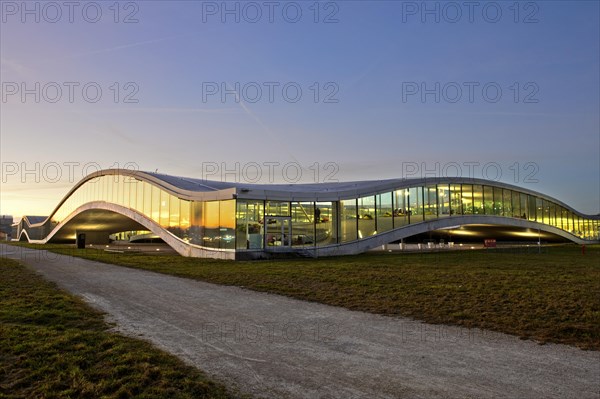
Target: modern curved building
[[247, 221]]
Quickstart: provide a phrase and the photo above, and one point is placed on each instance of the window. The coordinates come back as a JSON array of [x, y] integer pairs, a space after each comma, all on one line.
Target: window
[[415, 211], [498, 208], [507, 203], [366, 217], [430, 206], [304, 219], [348, 221], [488, 200], [227, 224], [249, 218], [164, 209], [326, 226], [211, 236], [455, 200], [400, 208], [384, 212], [444, 200]]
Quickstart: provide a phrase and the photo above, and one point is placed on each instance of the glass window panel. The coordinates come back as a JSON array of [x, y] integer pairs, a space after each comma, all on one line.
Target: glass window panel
[[523, 199], [174, 213], [415, 198], [227, 224], [516, 204], [571, 217], [109, 189], [444, 199], [467, 199], [156, 204], [184, 218], [348, 220], [139, 196], [384, 212], [130, 192], [498, 209], [147, 199], [478, 203], [564, 221], [164, 209], [249, 219], [539, 210], [400, 208], [545, 212], [326, 227], [531, 208], [430, 205], [304, 219], [366, 217], [197, 223], [488, 200], [507, 203], [120, 190], [278, 208], [553, 218], [212, 235], [455, 200]]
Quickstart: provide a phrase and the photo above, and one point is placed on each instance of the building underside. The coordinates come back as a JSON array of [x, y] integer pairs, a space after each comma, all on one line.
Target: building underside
[[248, 221]]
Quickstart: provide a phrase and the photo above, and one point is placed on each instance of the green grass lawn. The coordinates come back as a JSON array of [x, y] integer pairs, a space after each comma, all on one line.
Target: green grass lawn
[[52, 345], [549, 297]]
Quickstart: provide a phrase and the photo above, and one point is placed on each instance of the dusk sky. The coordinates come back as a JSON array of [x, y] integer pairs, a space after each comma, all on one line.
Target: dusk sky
[[507, 91]]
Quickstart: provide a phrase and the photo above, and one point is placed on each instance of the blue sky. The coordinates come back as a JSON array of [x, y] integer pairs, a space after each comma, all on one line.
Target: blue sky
[[545, 124]]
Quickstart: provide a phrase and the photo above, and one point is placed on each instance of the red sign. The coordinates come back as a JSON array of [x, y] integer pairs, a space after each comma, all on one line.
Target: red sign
[[489, 243]]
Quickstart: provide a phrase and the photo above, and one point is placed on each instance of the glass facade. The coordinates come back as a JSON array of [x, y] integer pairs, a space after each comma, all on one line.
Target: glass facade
[[246, 224], [366, 217]]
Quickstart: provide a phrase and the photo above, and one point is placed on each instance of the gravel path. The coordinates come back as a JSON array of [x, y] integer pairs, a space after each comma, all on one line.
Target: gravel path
[[273, 346]]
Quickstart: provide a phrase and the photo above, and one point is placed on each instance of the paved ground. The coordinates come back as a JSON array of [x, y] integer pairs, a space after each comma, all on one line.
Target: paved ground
[[273, 346]]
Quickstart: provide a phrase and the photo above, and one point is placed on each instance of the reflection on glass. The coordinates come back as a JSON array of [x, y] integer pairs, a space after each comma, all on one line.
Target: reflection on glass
[[430, 202], [498, 210], [400, 208], [304, 220], [164, 209], [478, 203], [140, 197], [227, 224], [197, 223], [384, 212], [455, 200], [415, 211], [539, 210], [444, 199], [277, 208], [249, 219], [366, 216], [348, 220], [326, 224], [516, 205], [507, 203], [211, 224]]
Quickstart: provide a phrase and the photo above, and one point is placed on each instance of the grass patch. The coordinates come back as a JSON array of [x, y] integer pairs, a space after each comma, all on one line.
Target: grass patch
[[52, 345], [549, 297]]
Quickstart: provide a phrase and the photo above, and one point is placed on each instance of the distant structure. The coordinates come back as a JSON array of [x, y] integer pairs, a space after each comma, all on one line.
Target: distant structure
[[225, 220], [6, 222]]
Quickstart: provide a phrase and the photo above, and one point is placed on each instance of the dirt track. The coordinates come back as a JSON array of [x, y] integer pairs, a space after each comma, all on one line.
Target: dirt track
[[272, 346]]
